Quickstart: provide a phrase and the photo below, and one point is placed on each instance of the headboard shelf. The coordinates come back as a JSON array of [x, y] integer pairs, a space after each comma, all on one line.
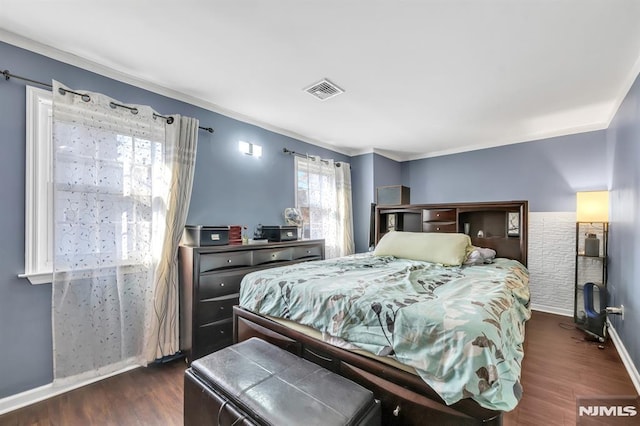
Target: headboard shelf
[[500, 225]]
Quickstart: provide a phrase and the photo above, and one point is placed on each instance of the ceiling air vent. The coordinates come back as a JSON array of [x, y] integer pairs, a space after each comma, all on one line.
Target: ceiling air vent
[[324, 90]]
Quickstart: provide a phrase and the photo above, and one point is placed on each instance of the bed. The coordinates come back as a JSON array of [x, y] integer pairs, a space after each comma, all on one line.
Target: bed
[[432, 338]]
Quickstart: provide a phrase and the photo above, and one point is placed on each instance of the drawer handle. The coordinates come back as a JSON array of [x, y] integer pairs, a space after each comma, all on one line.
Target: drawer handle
[[438, 228], [308, 251], [437, 214], [221, 284], [221, 331], [222, 308], [273, 256], [319, 356], [228, 260], [396, 412]]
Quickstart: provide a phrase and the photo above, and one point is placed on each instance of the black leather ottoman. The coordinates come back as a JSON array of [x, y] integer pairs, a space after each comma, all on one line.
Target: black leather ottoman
[[257, 383]]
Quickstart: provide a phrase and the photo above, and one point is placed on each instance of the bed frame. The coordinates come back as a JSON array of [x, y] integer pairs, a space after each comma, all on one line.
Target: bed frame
[[501, 225], [406, 398]]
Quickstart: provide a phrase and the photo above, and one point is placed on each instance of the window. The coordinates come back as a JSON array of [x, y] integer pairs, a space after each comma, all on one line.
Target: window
[[323, 195], [38, 265], [39, 226]]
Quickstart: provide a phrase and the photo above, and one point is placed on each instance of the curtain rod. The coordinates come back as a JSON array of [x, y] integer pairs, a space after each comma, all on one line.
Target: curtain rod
[[305, 155], [85, 97]]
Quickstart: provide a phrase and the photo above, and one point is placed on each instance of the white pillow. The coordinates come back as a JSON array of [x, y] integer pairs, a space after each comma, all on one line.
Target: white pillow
[[479, 256], [445, 248]]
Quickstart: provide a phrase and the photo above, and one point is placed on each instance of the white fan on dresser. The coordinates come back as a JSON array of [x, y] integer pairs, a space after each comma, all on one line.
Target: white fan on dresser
[[293, 217]]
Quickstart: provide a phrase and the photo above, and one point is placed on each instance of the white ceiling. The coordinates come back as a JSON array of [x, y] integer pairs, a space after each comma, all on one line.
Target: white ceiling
[[421, 77]]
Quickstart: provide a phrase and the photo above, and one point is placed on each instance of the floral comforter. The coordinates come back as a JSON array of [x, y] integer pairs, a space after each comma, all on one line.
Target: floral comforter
[[460, 328]]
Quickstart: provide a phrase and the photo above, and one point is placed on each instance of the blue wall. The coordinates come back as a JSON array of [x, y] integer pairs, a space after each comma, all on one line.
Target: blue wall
[[624, 235], [362, 196], [229, 188], [386, 172], [232, 188], [547, 173], [369, 171]]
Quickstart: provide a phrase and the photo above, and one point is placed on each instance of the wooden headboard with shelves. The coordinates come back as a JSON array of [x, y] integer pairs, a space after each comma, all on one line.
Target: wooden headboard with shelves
[[501, 225]]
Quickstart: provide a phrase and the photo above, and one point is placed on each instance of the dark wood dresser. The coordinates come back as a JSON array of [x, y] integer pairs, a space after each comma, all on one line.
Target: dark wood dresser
[[210, 283]]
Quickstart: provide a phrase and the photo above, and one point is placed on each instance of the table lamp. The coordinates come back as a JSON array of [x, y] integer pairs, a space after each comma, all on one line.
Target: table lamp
[[592, 207]]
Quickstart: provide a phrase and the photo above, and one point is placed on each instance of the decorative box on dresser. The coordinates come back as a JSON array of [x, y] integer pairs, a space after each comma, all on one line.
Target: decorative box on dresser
[[210, 283]]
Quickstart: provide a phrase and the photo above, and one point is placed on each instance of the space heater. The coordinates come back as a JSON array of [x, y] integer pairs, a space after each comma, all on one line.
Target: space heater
[[596, 320]]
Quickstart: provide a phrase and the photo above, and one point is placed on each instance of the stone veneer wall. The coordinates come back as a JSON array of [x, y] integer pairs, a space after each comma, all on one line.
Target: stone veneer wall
[[551, 261]]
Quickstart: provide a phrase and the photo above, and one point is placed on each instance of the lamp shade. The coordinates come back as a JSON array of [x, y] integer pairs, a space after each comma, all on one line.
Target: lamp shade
[[592, 206]]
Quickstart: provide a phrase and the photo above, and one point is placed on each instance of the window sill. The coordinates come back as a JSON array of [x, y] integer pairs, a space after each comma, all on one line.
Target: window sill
[[38, 277]]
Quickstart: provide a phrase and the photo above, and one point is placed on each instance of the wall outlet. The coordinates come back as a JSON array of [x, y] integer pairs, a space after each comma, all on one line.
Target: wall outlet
[[612, 310]]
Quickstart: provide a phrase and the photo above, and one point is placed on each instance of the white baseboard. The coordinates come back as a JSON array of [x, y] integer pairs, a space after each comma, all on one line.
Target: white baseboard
[[624, 355], [552, 310], [50, 390]]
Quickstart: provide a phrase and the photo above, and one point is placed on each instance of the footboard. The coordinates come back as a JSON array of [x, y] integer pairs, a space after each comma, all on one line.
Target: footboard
[[406, 398]]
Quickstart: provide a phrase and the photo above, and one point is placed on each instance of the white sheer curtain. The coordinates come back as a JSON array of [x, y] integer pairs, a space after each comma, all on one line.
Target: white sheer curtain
[[180, 147], [323, 195], [111, 185]]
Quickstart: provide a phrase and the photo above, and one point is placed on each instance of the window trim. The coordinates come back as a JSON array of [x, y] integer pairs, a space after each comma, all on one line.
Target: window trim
[[38, 226]]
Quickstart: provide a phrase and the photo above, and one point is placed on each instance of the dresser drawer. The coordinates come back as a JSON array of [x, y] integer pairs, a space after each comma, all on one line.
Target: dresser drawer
[[439, 227], [440, 215], [403, 407], [321, 358], [216, 309], [219, 284], [260, 257], [214, 336], [213, 261], [307, 252]]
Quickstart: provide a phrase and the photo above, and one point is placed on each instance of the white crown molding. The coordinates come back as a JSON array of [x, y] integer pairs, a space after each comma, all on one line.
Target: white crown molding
[[383, 153], [389, 154], [492, 144], [77, 61], [631, 78], [529, 138]]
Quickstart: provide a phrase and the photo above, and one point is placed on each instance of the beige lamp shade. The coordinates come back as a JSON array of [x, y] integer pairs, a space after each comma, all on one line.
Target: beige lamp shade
[[592, 206]]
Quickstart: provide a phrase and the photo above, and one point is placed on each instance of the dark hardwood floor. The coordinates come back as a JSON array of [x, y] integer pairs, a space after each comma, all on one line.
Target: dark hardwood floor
[[559, 365], [144, 396]]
